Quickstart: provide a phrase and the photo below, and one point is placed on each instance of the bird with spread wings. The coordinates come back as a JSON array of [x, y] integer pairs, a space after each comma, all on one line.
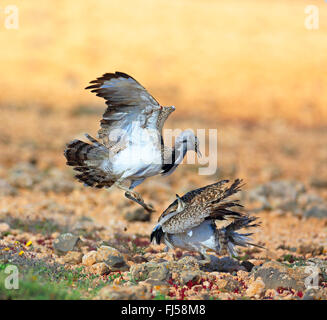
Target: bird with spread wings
[[130, 145]]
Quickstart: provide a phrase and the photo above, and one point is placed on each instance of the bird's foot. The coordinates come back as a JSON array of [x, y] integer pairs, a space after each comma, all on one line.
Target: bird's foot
[[134, 196]]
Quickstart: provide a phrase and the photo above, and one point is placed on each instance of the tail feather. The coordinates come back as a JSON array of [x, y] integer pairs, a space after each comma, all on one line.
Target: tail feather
[[240, 239], [229, 221], [157, 234], [87, 159]]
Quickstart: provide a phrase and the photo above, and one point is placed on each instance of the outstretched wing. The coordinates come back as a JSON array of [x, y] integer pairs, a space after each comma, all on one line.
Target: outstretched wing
[[129, 104], [209, 202]]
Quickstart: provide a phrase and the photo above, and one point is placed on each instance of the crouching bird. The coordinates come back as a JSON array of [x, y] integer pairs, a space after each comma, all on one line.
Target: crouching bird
[[131, 146], [204, 220]]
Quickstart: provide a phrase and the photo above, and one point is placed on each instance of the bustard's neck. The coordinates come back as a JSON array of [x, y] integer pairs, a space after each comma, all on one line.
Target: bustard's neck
[[174, 157]]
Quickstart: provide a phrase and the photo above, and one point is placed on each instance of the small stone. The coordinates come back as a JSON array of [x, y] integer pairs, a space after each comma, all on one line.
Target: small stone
[[160, 273], [139, 259], [155, 283], [72, 257], [318, 211], [138, 215], [99, 268], [4, 227], [225, 264], [276, 275], [256, 288], [247, 265], [150, 270], [228, 284], [65, 242], [192, 276], [112, 257], [89, 258], [104, 252]]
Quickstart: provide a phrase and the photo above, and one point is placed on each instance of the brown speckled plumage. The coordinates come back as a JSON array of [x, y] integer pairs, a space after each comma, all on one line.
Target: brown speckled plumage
[[204, 219], [200, 204]]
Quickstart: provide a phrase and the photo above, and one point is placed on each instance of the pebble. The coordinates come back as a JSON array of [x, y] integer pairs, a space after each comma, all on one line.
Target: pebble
[[225, 264], [247, 265], [182, 271], [139, 259], [192, 276], [256, 288], [149, 270], [277, 275], [99, 268], [65, 242], [72, 257], [228, 283], [318, 211], [89, 258], [112, 257]]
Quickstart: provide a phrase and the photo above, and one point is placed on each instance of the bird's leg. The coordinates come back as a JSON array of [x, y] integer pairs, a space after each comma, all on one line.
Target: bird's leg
[[136, 197]]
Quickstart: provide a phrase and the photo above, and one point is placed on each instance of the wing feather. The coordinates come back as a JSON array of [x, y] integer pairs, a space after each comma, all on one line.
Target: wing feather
[[209, 202], [128, 103]]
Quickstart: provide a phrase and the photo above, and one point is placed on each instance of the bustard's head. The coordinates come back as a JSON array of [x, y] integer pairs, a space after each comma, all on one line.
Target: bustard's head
[[184, 142], [176, 207], [189, 141]]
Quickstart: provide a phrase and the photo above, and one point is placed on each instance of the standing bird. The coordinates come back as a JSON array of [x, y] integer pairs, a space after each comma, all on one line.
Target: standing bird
[[131, 146], [203, 220]]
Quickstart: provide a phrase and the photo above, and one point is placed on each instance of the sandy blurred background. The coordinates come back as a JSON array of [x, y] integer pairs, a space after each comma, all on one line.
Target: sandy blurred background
[[237, 59], [249, 68]]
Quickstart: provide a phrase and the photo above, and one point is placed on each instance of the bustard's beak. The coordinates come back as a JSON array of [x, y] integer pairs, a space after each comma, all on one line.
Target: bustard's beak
[[197, 149], [180, 204]]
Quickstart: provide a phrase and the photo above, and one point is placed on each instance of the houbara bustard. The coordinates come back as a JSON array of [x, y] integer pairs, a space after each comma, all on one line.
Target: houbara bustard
[[131, 146], [203, 220]]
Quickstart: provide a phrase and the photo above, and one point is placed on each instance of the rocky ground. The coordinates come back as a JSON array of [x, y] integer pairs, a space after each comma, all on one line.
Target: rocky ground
[[72, 242]]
